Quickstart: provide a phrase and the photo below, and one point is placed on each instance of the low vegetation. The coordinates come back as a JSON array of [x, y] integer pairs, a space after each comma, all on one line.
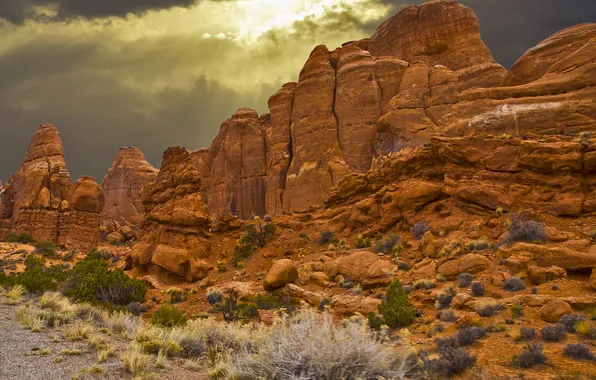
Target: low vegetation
[[524, 230], [396, 309], [531, 356], [419, 229], [553, 333], [255, 237]]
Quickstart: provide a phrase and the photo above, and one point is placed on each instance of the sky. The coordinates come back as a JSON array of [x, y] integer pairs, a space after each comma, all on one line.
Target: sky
[[155, 73]]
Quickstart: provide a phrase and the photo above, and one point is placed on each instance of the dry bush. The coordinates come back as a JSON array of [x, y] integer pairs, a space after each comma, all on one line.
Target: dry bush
[[310, 346]]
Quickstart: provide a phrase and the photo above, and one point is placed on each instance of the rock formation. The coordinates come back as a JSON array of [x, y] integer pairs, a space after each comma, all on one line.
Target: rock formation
[[174, 238], [122, 185], [387, 126], [39, 198], [424, 72]]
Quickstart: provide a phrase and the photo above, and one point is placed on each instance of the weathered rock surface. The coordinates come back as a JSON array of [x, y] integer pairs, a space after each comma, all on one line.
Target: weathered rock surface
[[281, 273], [554, 310], [122, 185], [174, 237], [363, 267], [41, 200], [424, 72], [483, 173]]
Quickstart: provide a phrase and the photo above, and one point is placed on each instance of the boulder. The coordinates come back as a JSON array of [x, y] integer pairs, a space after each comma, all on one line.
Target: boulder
[[554, 310], [470, 263], [363, 267], [539, 275], [549, 255], [281, 273]]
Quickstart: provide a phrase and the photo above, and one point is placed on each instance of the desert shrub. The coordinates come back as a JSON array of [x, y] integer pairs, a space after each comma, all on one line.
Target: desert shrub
[[177, 296], [514, 284], [524, 230], [169, 316], [310, 346], [23, 238], [255, 237], [326, 237], [585, 329], [362, 242], [92, 281], [531, 356], [477, 245], [517, 311], [469, 335], [423, 284], [419, 229], [534, 290], [46, 249], [268, 302], [488, 308], [571, 320], [477, 289], [136, 308], [451, 361], [396, 309], [444, 299], [527, 333], [37, 277], [553, 333], [579, 352], [402, 265], [227, 305], [447, 315], [464, 280], [386, 244], [374, 321]]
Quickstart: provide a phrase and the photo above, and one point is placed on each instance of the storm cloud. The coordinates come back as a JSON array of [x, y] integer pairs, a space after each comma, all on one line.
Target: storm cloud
[[20, 10], [155, 73]]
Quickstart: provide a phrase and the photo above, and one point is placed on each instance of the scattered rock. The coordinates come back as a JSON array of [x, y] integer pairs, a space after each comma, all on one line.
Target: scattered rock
[[554, 310], [281, 273]]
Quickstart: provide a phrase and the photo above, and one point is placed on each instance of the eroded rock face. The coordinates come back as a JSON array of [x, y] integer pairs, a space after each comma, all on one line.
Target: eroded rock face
[[174, 238], [122, 185], [424, 72], [237, 163], [40, 198], [79, 227]]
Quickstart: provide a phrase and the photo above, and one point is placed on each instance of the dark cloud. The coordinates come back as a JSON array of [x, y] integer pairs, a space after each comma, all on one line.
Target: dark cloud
[[511, 27], [82, 89], [19, 10]]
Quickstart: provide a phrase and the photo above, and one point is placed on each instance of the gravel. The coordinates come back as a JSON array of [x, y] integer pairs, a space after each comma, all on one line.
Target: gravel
[[20, 357]]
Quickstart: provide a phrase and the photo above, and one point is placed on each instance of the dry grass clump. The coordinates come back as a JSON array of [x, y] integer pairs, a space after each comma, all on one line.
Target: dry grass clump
[[136, 361], [488, 308], [14, 295], [29, 319], [311, 346], [78, 331]]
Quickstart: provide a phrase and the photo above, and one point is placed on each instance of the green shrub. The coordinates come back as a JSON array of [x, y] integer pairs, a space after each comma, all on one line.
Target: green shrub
[[91, 281], [23, 238], [374, 322], [396, 310], [362, 242], [37, 278], [46, 249], [268, 302], [169, 316], [254, 238]]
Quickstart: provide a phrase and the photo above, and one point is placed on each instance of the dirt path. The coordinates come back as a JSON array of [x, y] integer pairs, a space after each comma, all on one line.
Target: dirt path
[[22, 354]]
